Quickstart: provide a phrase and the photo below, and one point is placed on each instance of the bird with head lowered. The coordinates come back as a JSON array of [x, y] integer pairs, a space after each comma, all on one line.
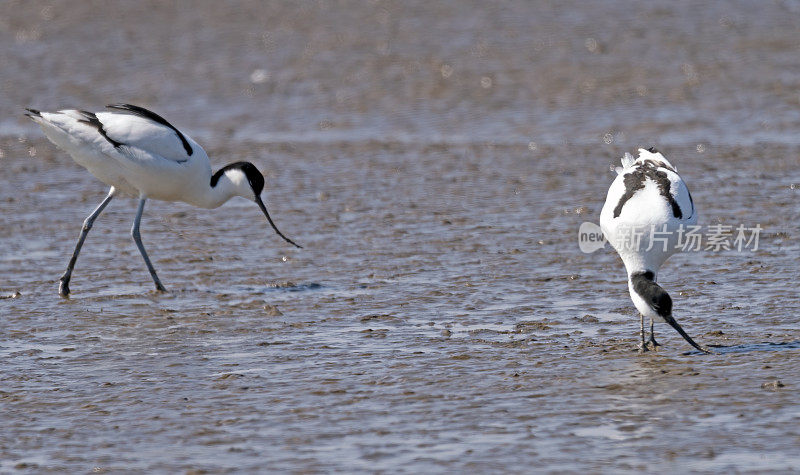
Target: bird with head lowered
[[648, 199], [138, 153]]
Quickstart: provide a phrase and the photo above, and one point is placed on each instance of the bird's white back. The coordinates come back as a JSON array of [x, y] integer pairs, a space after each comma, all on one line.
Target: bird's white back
[[636, 210]]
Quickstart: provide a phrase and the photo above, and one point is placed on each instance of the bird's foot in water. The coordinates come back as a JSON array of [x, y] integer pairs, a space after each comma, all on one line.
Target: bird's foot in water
[[650, 344], [652, 341], [63, 288]]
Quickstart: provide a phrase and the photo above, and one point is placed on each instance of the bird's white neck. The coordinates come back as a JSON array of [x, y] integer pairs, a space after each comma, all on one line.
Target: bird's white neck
[[228, 185]]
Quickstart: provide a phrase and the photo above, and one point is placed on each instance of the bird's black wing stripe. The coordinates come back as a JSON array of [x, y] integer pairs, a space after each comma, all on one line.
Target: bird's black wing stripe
[[634, 181], [147, 114], [664, 186], [91, 119]]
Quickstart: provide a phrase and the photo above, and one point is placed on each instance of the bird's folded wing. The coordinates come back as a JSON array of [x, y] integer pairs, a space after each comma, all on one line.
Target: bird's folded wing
[[680, 192], [142, 138]]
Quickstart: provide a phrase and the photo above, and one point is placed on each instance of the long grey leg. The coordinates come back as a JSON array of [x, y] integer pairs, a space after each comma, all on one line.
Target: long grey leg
[[63, 287], [137, 238], [653, 336], [642, 345]]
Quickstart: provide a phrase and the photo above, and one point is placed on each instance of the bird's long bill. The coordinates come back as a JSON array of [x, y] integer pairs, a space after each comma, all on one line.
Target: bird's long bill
[[264, 209], [686, 337]]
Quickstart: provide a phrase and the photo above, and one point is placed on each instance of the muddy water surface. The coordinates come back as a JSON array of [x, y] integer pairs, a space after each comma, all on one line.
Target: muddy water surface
[[435, 162]]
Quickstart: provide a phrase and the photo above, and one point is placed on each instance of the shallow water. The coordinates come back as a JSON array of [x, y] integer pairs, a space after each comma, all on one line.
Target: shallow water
[[440, 317]]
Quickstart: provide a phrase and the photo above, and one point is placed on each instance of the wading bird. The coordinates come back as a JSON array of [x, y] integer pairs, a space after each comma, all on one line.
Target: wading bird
[[138, 153], [647, 209]]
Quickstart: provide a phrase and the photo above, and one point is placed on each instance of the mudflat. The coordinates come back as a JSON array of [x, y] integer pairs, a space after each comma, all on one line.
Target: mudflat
[[436, 161]]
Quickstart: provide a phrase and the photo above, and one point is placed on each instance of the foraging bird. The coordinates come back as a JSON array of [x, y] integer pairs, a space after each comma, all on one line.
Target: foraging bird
[[138, 153], [647, 210]]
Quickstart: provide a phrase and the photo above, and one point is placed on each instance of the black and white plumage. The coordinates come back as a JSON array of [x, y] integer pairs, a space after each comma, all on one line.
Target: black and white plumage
[[648, 199], [138, 153]]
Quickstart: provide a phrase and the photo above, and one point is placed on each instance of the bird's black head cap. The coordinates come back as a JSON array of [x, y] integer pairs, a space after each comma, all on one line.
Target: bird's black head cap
[[660, 301], [652, 293], [254, 177], [256, 181]]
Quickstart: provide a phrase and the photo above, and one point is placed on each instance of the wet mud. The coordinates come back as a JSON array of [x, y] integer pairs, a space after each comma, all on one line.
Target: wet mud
[[435, 161]]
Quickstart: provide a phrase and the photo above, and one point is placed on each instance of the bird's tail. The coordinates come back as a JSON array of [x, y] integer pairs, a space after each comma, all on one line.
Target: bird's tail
[[34, 115], [627, 162], [656, 156], [644, 154]]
